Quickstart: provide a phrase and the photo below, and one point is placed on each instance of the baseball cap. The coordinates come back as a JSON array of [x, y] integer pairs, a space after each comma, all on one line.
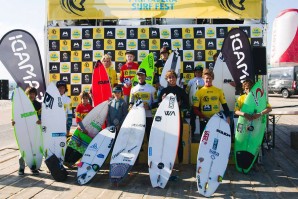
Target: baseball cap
[[198, 68], [61, 83], [164, 50], [141, 71], [117, 89]]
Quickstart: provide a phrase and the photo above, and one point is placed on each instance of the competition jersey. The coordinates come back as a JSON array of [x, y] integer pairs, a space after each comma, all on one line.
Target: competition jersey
[[128, 72], [67, 105], [240, 101], [209, 99], [147, 93], [112, 76], [81, 111]]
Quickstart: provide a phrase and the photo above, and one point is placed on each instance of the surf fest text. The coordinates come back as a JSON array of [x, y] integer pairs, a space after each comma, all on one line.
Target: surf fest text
[[152, 4]]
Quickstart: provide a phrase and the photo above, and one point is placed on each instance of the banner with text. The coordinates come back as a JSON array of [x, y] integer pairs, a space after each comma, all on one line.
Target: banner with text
[[127, 9]]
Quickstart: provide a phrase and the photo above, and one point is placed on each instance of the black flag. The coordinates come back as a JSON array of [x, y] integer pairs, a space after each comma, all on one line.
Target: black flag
[[236, 51], [20, 55]]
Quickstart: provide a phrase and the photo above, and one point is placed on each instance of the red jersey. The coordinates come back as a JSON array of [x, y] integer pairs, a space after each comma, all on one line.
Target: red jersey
[[127, 73], [81, 111]]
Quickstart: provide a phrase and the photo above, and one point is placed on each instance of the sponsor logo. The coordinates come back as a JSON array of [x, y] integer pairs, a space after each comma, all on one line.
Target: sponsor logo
[[131, 44], [158, 118], [205, 137], [233, 6], [104, 82], [210, 32], [76, 34], [120, 33], [170, 113], [96, 126], [127, 159], [223, 133], [62, 144], [255, 95], [165, 33], [239, 127], [150, 151], [28, 114], [177, 44], [54, 56], [111, 143], [58, 134], [214, 98], [94, 147], [256, 32], [60, 104], [188, 56], [160, 165], [213, 152], [215, 143], [172, 102], [117, 154], [100, 155], [87, 155], [48, 101], [138, 125]]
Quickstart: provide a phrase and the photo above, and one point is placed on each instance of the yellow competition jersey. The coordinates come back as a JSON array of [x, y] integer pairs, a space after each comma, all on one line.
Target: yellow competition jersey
[[240, 102], [208, 99], [112, 76], [147, 93]]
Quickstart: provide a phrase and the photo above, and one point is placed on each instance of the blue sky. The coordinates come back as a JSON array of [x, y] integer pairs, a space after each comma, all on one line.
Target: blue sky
[[30, 15]]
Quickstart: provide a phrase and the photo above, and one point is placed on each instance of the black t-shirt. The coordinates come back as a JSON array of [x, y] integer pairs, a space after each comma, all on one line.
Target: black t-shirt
[[158, 66], [37, 107], [179, 92]]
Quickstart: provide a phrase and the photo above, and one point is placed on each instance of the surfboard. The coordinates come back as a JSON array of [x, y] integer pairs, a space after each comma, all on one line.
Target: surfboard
[[27, 133], [163, 141], [101, 87], [173, 63], [148, 65], [95, 155], [128, 143], [79, 141], [192, 91], [249, 135], [53, 123], [213, 154], [222, 80]]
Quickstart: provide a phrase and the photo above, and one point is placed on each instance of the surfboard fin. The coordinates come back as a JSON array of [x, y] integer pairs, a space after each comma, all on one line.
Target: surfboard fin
[[206, 186], [150, 164], [158, 178], [199, 169], [170, 166], [219, 178]]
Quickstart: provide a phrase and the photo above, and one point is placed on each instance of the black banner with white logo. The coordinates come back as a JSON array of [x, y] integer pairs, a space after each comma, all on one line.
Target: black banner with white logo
[[236, 51], [20, 54]]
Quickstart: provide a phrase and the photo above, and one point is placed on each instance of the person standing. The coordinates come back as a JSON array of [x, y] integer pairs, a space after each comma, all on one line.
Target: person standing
[[31, 92], [61, 85], [198, 81], [117, 109], [107, 62], [208, 99], [159, 65], [127, 72], [182, 99], [147, 93]]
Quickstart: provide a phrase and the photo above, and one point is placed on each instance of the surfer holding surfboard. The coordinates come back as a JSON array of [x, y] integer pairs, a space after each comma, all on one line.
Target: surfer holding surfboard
[[61, 85], [107, 62], [146, 92], [207, 100], [127, 73], [171, 77], [159, 65]]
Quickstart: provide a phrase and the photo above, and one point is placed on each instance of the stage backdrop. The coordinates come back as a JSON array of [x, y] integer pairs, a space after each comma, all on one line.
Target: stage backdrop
[[72, 51]]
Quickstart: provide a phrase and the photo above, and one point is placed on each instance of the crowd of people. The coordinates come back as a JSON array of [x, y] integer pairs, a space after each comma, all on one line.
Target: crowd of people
[[206, 101]]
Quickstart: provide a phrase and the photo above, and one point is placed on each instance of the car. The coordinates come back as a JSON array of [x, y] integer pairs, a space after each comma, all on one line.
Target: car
[[283, 80]]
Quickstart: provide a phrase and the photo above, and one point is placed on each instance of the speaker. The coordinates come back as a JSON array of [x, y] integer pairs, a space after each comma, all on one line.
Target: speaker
[[259, 59], [4, 89]]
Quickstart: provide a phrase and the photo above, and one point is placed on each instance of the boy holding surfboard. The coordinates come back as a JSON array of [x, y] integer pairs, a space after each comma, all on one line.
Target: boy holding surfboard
[[127, 72], [61, 85], [117, 109], [171, 77], [207, 100], [82, 110], [159, 65], [107, 62], [31, 92], [148, 95]]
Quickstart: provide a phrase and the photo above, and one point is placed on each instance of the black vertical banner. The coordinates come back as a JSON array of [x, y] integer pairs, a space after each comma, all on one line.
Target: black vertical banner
[[236, 51], [20, 54]]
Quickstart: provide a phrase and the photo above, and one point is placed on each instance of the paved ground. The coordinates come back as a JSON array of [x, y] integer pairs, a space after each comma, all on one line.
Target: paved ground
[[277, 176]]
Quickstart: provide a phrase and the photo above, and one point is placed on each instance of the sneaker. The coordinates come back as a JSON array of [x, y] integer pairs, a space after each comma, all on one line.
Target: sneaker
[[21, 172], [35, 172]]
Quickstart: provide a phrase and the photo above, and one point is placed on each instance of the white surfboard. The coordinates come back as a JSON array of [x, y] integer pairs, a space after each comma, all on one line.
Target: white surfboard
[[163, 141], [170, 65], [95, 155], [27, 133], [222, 80], [192, 91], [96, 118], [213, 154], [53, 123], [128, 143]]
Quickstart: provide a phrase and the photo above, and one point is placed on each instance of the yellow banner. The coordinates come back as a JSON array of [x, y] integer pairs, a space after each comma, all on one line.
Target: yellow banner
[[125, 9]]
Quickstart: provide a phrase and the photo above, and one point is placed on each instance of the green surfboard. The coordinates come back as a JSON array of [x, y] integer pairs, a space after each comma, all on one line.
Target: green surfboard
[[249, 134], [148, 65]]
